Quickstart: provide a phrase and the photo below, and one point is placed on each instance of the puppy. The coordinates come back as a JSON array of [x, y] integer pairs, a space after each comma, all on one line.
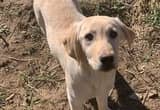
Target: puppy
[[86, 47]]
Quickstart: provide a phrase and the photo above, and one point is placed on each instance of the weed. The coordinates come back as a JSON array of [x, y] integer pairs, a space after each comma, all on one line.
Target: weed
[[153, 17], [5, 96], [114, 8]]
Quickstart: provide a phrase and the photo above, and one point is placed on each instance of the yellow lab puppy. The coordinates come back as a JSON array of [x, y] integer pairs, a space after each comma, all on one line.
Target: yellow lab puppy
[[86, 47]]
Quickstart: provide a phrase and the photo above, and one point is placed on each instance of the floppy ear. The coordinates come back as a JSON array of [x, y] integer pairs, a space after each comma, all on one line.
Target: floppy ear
[[129, 35], [72, 44]]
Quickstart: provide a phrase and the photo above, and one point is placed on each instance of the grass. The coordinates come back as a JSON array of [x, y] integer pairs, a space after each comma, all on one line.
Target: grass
[[3, 96], [153, 17], [6, 96], [114, 8], [40, 75]]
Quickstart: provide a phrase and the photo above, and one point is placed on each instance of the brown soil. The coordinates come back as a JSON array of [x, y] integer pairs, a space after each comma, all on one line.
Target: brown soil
[[32, 79]]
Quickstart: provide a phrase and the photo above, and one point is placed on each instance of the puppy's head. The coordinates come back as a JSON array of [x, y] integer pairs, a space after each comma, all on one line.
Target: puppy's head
[[96, 41]]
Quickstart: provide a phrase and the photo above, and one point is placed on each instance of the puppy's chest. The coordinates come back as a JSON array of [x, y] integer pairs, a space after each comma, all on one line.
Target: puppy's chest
[[97, 82]]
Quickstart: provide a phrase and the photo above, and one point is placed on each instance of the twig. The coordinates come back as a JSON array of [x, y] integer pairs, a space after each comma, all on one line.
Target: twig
[[16, 59], [4, 40], [56, 66], [145, 97], [111, 92], [10, 97], [33, 88], [137, 77], [14, 29]]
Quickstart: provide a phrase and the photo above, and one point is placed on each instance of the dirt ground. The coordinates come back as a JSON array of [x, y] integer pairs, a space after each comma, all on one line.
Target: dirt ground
[[32, 79]]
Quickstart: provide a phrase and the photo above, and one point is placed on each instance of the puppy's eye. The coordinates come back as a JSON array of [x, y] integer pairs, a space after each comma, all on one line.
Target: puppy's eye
[[113, 34], [89, 37]]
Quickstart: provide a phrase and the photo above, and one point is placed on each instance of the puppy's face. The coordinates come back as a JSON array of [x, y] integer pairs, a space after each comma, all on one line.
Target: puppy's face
[[99, 38]]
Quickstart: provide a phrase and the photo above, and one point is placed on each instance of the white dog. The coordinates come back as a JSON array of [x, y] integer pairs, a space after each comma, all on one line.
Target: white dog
[[86, 47]]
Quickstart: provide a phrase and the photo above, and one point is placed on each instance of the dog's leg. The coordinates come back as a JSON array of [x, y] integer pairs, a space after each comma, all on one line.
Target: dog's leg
[[75, 106], [102, 101], [39, 19], [74, 103], [102, 96]]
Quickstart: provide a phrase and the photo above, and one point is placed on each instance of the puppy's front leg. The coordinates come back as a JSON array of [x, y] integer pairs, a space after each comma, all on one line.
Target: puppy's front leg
[[74, 102], [102, 101]]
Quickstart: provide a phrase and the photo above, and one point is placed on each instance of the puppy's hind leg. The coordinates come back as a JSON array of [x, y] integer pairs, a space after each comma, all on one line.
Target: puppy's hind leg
[[39, 18]]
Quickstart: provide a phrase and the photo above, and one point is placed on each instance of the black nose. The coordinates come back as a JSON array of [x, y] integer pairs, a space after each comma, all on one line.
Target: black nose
[[107, 60]]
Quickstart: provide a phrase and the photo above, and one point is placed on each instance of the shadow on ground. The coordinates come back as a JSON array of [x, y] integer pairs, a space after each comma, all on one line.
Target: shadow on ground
[[124, 102]]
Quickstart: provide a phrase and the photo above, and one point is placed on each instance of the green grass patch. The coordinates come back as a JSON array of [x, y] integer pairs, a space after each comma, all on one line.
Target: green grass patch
[[153, 17]]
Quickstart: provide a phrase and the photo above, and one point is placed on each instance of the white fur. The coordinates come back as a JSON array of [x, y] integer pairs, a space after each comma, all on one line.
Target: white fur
[[61, 20]]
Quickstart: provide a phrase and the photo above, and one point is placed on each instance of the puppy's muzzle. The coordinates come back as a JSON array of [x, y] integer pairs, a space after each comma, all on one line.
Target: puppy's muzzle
[[107, 63]]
